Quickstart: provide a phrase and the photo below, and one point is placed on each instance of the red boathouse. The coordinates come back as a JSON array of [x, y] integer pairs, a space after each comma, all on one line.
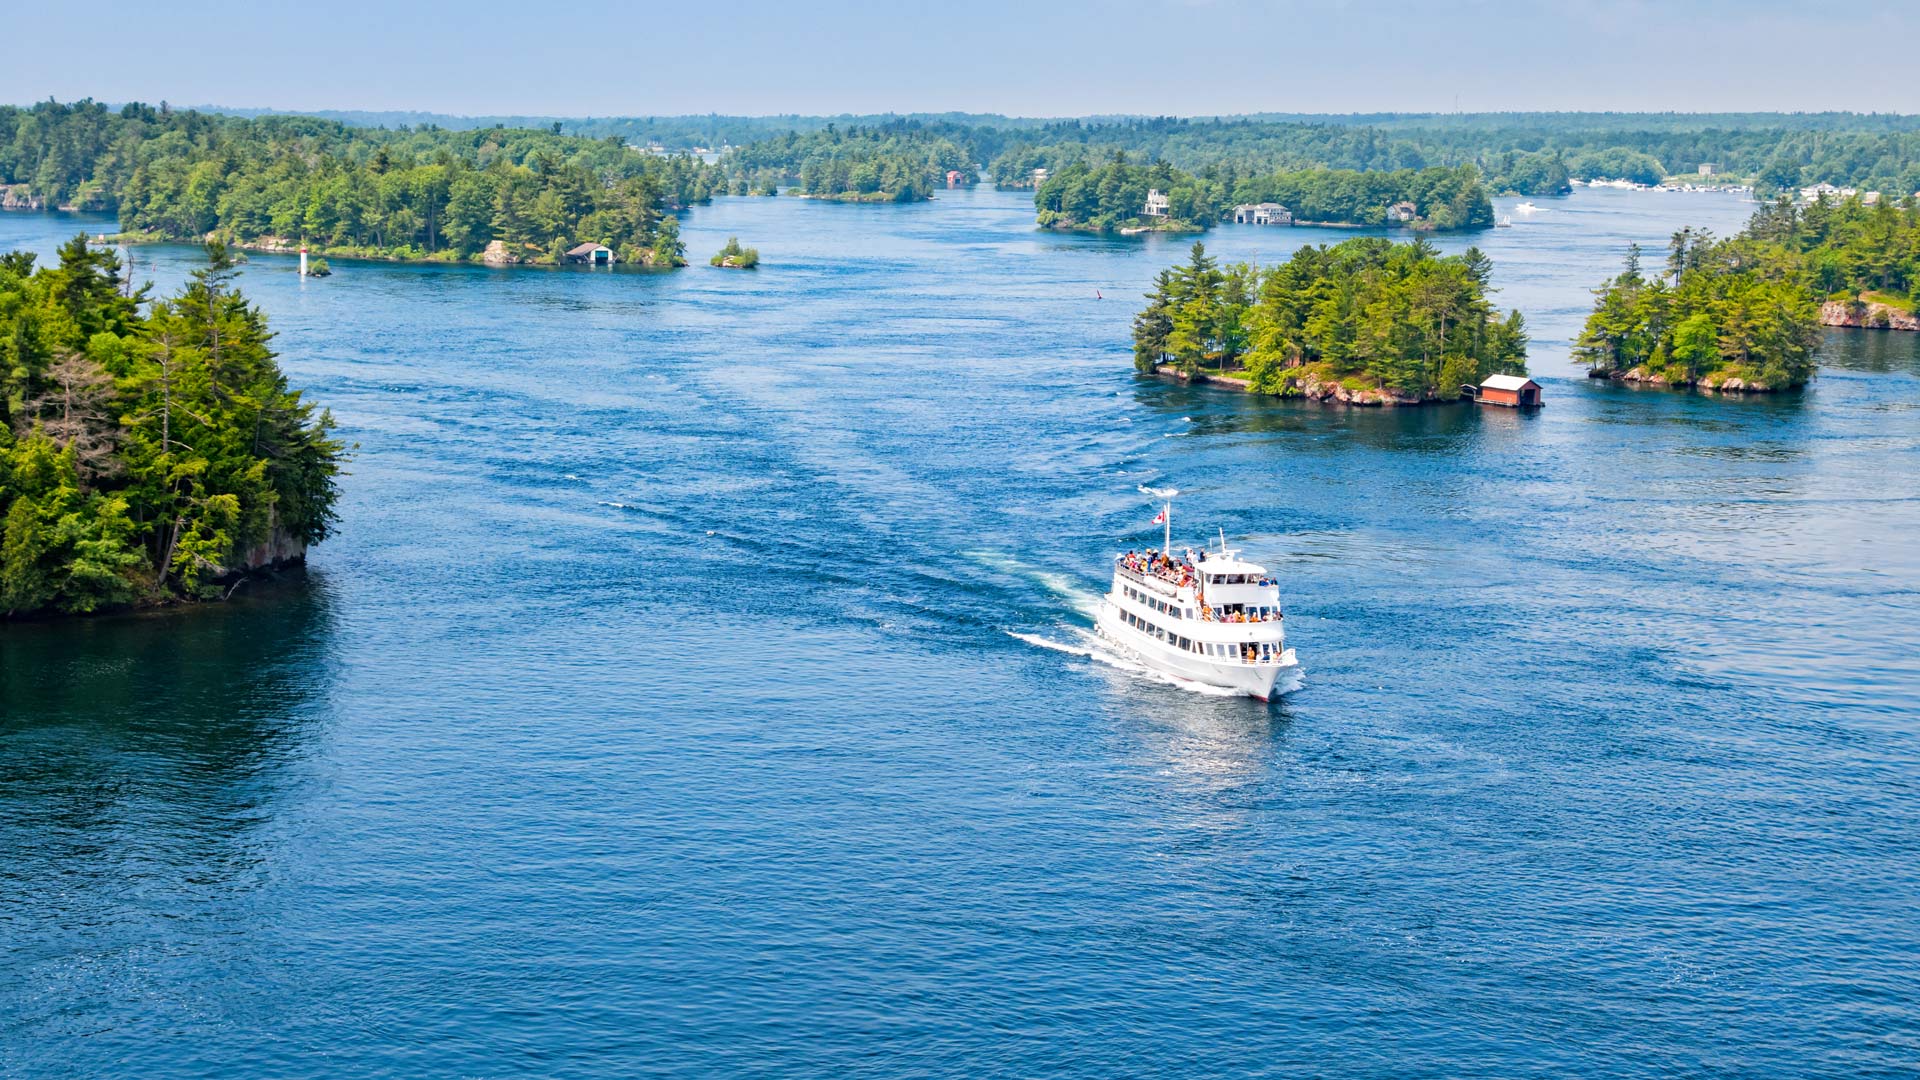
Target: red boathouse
[[1513, 391]]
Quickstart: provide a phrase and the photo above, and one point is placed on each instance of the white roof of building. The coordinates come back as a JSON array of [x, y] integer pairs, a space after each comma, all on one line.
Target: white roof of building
[[1506, 382]]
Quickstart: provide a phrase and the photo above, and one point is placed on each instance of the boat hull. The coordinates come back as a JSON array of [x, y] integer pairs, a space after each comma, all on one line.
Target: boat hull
[[1253, 680]]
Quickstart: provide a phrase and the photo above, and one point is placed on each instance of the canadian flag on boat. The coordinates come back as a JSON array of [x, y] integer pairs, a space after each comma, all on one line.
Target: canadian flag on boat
[[1160, 518]]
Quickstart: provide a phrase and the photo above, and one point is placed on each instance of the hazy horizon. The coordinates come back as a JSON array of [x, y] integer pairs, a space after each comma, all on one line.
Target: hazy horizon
[[1209, 58], [964, 114]]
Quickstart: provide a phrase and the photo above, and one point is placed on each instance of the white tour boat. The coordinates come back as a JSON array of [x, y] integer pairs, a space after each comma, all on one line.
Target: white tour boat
[[1207, 617]]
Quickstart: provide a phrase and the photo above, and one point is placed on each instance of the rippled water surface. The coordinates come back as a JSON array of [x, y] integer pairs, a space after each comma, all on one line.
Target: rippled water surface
[[698, 685]]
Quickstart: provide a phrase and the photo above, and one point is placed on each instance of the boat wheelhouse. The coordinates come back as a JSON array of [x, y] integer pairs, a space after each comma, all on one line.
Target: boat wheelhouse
[[1209, 617]]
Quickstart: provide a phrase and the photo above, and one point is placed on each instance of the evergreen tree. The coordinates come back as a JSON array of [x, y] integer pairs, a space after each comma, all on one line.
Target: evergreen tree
[[1382, 315], [145, 452]]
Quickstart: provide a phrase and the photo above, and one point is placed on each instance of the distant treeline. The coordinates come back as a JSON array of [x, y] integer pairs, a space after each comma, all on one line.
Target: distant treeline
[[1871, 151], [903, 161], [1527, 153], [1113, 195], [425, 193], [1536, 158], [1748, 308]]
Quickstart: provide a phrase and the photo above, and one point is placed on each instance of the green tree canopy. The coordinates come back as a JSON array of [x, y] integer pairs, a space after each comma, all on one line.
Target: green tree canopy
[[144, 452], [1367, 312]]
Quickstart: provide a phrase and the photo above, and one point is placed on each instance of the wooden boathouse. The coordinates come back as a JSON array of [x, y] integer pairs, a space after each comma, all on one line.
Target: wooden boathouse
[[1513, 391]]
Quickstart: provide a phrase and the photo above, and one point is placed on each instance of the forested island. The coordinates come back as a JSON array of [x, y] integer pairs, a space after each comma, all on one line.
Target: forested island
[[494, 194], [1114, 197], [1742, 314], [900, 162], [1366, 322], [1863, 260], [150, 455]]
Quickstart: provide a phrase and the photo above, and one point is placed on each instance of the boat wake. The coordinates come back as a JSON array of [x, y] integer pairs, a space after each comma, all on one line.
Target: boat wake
[[1081, 599]]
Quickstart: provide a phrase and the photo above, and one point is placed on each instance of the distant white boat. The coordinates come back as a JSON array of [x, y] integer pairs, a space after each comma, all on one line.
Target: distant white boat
[[1526, 208], [1505, 222]]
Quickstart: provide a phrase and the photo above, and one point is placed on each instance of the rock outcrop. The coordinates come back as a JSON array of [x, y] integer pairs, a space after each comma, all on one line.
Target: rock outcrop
[[1313, 389], [271, 244], [1867, 314], [19, 197], [281, 550], [1726, 384], [496, 254]]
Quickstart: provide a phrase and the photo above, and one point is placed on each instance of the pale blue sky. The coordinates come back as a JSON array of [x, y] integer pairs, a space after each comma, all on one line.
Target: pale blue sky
[[1023, 57]]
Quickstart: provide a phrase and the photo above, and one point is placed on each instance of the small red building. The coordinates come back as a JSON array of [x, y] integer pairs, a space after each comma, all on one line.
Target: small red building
[[1513, 391]]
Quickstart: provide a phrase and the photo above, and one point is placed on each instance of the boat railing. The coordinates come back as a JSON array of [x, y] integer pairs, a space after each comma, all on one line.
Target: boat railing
[[1207, 614], [1154, 577]]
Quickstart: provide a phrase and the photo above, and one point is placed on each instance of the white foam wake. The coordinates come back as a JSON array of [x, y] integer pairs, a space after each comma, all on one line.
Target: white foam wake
[[1064, 586]]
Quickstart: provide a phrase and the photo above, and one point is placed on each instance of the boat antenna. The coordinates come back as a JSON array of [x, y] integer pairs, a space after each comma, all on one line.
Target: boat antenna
[[1223, 542]]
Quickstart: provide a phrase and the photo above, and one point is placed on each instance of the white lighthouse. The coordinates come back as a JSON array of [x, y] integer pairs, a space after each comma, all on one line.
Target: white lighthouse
[[303, 260]]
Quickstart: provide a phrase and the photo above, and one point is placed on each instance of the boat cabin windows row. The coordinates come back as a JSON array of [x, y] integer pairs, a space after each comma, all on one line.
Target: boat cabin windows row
[[1158, 632], [1156, 603], [1238, 579], [1144, 626], [1246, 612], [1251, 652]]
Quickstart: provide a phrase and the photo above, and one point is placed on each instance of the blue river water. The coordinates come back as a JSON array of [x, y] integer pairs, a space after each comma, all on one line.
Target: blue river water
[[699, 685]]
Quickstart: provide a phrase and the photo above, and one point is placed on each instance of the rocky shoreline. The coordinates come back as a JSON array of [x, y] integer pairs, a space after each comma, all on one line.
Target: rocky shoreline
[[1312, 389], [1708, 384], [495, 253], [1866, 315]]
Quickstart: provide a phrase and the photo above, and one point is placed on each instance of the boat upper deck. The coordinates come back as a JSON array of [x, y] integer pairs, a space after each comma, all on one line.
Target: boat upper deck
[[1220, 589]]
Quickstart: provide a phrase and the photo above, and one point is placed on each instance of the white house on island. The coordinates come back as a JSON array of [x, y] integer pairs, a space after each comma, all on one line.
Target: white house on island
[[1266, 213], [1157, 204]]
